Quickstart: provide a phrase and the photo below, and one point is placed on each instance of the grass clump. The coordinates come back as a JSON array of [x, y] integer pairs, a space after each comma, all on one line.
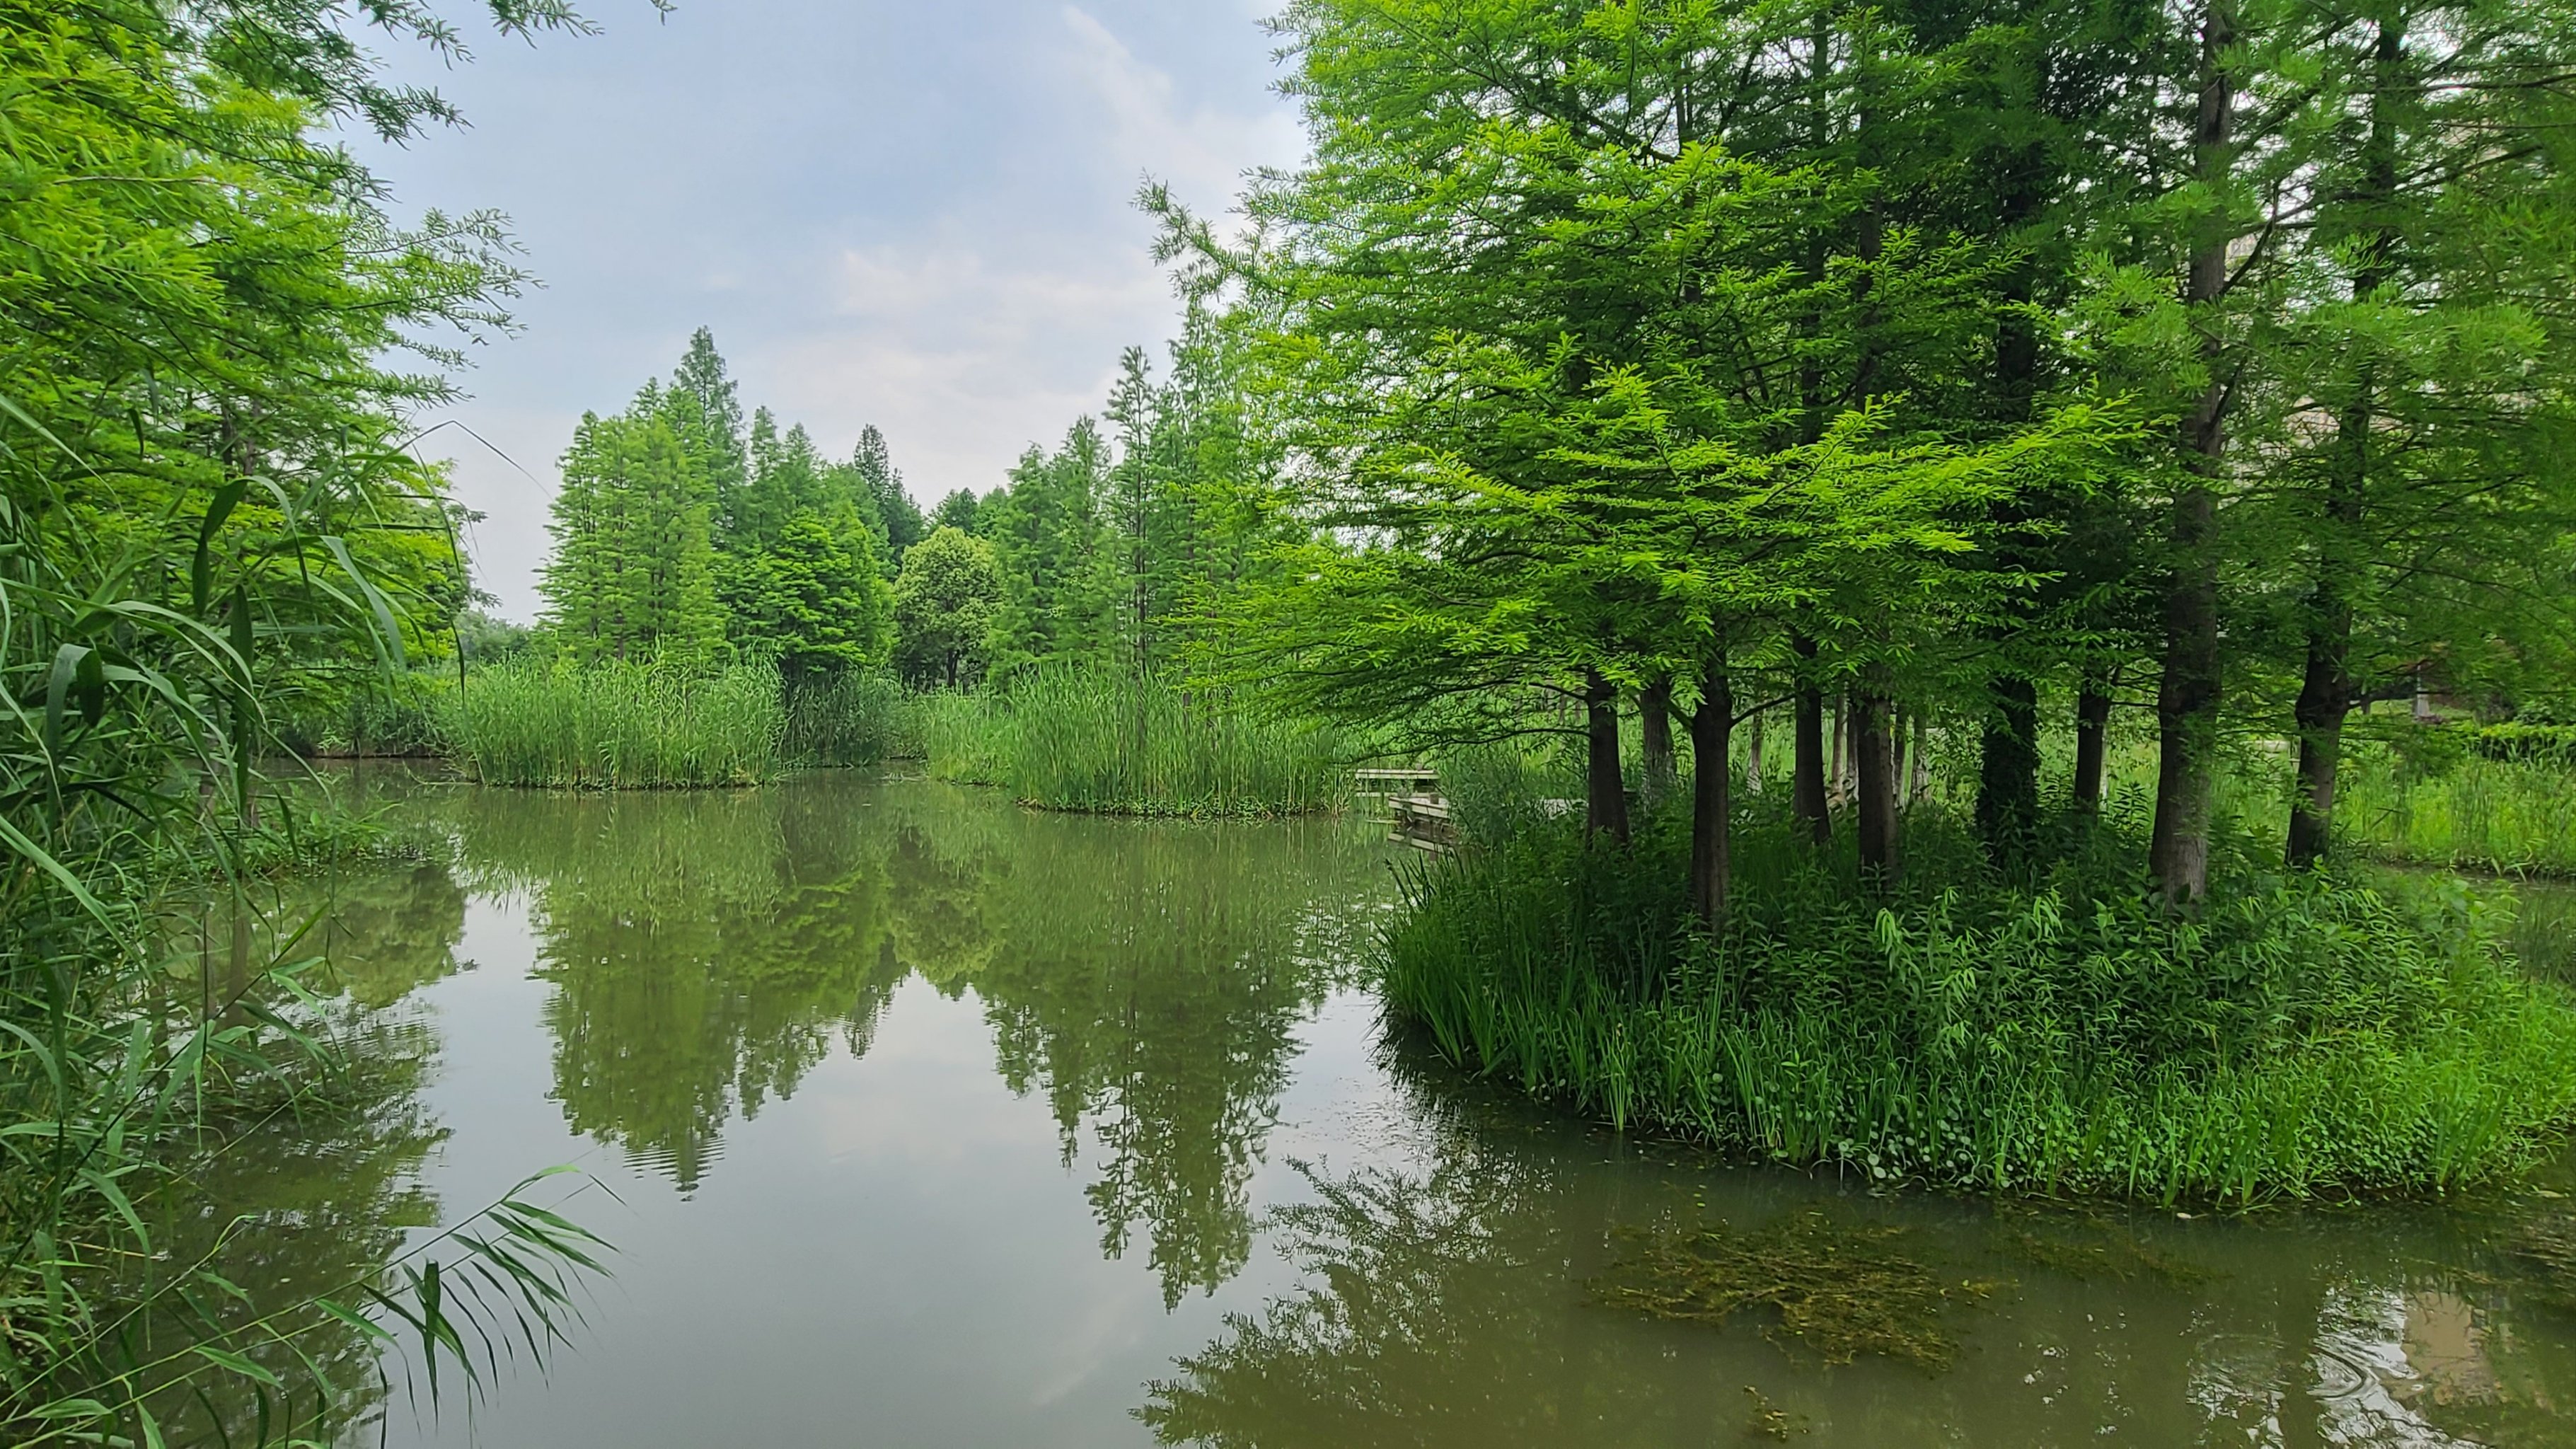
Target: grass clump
[[618, 726], [1108, 742], [1839, 1289], [2298, 1037]]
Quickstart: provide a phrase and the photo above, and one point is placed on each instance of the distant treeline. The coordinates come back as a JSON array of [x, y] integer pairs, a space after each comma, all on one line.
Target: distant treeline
[[686, 535]]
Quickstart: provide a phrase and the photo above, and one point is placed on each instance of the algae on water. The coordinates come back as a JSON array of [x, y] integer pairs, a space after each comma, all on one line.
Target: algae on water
[[1840, 1289]]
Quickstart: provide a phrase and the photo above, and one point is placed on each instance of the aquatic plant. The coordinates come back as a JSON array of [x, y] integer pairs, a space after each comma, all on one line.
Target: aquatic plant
[[2300, 1036], [1840, 1289], [1105, 741], [618, 726]]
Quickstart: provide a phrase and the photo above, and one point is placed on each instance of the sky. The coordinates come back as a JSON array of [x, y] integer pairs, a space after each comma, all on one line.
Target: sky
[[916, 215]]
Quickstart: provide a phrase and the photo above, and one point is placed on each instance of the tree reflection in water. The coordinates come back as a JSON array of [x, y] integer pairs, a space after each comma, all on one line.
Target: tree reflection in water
[[1146, 978], [305, 1188]]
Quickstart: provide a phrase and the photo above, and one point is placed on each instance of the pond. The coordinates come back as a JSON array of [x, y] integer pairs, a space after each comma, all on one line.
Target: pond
[[932, 1121]]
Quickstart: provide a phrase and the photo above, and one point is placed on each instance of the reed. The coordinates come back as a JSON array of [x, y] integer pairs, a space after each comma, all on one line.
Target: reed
[[851, 719], [2300, 1037], [1100, 741], [2512, 816], [619, 726]]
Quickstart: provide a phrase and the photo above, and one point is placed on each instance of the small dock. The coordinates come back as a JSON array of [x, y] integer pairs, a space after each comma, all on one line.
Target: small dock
[[1417, 814]]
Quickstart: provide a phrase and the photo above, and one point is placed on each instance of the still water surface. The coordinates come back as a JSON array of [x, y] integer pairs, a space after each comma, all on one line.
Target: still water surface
[[933, 1121]]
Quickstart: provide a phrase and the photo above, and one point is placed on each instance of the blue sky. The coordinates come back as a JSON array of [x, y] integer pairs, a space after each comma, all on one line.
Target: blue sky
[[916, 215]]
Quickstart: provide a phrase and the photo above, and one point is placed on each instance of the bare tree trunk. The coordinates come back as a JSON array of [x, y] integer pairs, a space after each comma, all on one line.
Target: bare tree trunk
[[2008, 771], [2092, 738], [1838, 780], [1753, 755], [1712, 729], [2327, 691], [1606, 794], [1921, 785], [1807, 784], [1655, 734], [1874, 741], [2188, 697]]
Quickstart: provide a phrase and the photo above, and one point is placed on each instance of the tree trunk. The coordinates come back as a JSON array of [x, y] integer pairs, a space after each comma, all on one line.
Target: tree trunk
[[1874, 741], [1753, 755], [2092, 736], [1921, 784], [1655, 734], [1712, 730], [2008, 771], [1807, 784], [1606, 795], [1838, 778], [2187, 698], [2327, 691]]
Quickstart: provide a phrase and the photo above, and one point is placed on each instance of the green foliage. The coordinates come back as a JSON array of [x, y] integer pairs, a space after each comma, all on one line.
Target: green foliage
[[1098, 740], [208, 519], [2478, 814], [851, 718], [2313, 1036], [945, 603], [620, 726], [2541, 744], [633, 574]]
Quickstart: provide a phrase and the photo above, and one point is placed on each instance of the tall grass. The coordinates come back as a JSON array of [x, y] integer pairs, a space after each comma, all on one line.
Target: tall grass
[[619, 726], [851, 719], [1099, 741], [2305, 1037], [2512, 816]]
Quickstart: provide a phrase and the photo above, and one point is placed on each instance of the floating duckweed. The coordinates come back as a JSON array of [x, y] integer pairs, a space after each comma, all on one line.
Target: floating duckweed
[[1840, 1289]]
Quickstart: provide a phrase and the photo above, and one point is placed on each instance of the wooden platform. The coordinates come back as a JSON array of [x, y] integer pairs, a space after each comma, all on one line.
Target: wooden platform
[[1423, 822], [1414, 780]]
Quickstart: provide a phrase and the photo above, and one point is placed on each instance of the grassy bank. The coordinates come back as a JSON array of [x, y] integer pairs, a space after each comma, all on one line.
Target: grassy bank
[[619, 726], [2303, 1037], [1104, 742]]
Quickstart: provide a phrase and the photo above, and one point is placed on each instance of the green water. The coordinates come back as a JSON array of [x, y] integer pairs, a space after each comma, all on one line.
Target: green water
[[932, 1121]]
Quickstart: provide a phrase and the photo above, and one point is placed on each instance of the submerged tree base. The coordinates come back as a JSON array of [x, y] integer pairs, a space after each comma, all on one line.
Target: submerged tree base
[[2299, 1037]]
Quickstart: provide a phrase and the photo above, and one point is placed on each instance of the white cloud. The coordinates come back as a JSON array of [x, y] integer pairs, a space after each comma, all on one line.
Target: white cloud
[[913, 217]]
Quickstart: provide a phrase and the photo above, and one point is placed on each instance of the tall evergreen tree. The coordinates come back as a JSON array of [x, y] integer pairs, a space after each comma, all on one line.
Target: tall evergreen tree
[[633, 574], [882, 484]]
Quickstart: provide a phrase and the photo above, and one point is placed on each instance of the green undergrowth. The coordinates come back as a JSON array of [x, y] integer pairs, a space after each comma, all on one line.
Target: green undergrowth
[[2296, 1037], [1105, 742], [619, 726]]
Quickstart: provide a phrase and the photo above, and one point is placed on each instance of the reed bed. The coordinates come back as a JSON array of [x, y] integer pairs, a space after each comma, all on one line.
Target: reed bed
[[1096, 741], [620, 726], [851, 719], [2515, 817], [2301, 1038]]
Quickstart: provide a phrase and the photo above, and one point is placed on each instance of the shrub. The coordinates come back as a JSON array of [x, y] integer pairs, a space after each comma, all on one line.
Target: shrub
[[2300, 1036], [2547, 744], [615, 726]]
